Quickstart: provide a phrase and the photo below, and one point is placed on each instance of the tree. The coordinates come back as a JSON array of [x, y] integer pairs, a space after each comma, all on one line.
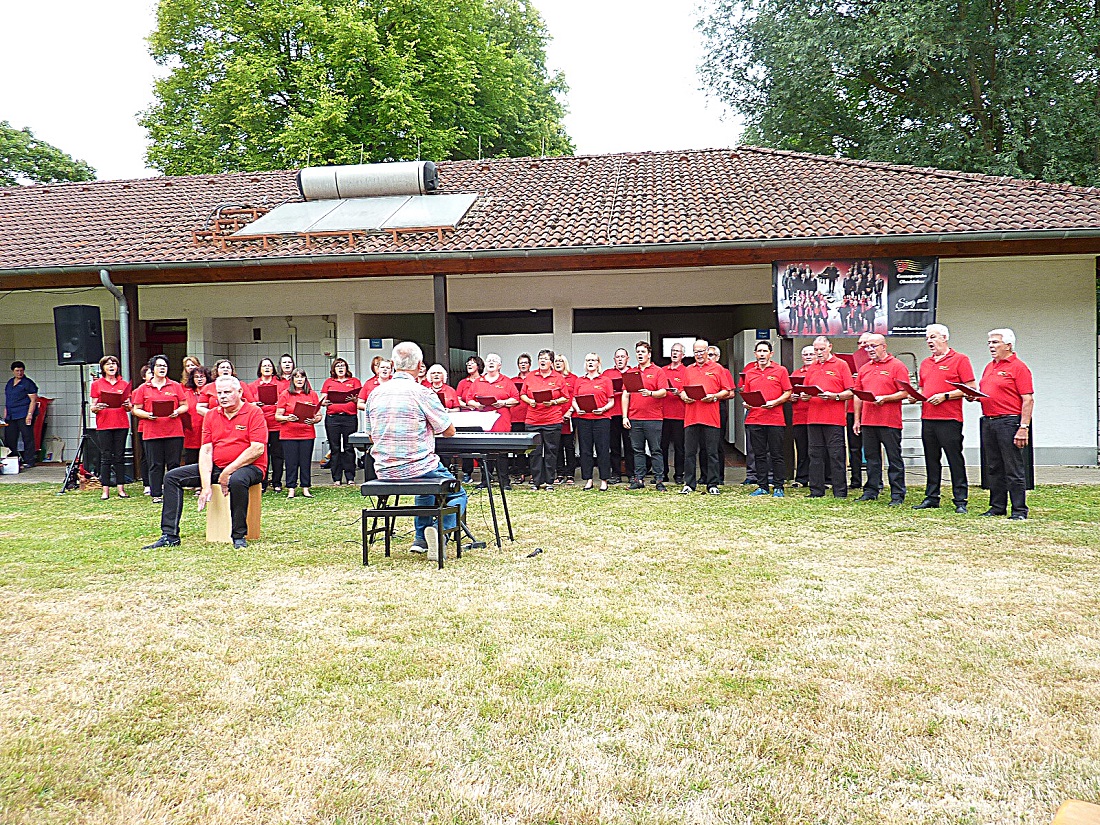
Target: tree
[[271, 84], [24, 158], [1006, 87]]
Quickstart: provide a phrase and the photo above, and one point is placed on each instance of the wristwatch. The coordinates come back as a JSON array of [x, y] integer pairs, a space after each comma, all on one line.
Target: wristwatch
[[1025, 426]]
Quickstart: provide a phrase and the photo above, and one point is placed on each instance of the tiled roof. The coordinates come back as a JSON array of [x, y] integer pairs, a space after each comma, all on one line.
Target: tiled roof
[[598, 201]]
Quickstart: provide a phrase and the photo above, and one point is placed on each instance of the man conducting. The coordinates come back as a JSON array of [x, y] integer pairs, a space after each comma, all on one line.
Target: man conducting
[[233, 455], [941, 417], [878, 419], [403, 419], [765, 422]]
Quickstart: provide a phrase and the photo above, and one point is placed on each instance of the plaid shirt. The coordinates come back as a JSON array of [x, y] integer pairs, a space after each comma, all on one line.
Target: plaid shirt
[[402, 419]]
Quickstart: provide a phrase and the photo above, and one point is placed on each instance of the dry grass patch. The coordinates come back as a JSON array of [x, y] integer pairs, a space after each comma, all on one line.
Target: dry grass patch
[[666, 659]]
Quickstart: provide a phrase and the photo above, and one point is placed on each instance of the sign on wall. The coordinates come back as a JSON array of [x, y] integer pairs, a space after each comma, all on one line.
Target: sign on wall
[[847, 297]]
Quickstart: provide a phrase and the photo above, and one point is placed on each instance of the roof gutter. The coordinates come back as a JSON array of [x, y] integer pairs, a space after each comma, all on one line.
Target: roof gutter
[[593, 251]]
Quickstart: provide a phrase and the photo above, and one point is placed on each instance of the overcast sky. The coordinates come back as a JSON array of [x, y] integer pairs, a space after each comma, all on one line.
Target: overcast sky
[[77, 73]]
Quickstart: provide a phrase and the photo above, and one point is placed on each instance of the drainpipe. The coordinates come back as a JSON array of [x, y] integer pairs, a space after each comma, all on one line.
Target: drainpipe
[[123, 322]]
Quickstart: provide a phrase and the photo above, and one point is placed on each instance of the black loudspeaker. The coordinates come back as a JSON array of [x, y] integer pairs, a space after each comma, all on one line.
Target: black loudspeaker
[[79, 335]]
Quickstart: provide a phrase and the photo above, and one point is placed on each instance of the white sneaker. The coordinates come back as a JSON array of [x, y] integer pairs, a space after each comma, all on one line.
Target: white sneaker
[[431, 536]]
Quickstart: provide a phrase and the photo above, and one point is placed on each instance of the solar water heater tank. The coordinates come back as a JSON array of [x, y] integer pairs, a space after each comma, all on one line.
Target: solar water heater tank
[[367, 180]]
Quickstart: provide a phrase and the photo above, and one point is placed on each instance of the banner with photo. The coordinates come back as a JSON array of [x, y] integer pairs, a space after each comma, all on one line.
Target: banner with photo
[[845, 298]]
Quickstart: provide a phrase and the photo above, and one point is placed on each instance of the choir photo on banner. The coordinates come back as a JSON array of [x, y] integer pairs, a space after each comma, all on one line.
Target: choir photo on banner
[[832, 426]]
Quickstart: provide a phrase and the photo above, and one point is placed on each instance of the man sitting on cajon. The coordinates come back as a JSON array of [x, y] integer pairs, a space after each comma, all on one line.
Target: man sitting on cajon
[[233, 454]]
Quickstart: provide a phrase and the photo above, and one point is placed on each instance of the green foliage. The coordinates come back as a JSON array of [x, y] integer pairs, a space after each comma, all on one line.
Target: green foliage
[[24, 158], [270, 84], [997, 86]]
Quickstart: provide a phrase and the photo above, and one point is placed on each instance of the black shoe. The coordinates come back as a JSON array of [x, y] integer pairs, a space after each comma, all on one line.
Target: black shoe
[[896, 502], [961, 509], [867, 497], [816, 495], [239, 544], [506, 487], [751, 481], [163, 541], [927, 504], [637, 485], [661, 488], [1017, 517], [614, 480], [990, 512]]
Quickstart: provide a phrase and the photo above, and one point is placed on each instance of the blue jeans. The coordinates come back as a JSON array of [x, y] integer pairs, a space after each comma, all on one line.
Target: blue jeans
[[459, 498]]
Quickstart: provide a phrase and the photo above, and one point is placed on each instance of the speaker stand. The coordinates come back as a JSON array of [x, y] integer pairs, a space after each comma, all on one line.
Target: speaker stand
[[72, 475]]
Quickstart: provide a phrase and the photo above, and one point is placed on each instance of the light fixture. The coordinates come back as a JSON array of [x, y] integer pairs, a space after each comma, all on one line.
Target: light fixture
[[640, 309], [532, 309]]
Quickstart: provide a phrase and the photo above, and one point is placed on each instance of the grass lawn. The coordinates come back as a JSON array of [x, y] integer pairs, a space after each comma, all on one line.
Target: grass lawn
[[666, 659]]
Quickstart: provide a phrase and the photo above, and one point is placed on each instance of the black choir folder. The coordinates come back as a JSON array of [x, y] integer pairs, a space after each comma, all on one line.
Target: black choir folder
[[632, 381], [587, 403]]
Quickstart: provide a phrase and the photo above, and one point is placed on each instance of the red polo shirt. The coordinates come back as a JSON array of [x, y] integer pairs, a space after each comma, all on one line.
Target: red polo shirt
[[646, 407], [519, 412], [713, 378], [267, 409], [449, 393], [208, 395], [369, 386], [296, 430], [145, 395], [799, 409], [192, 435], [502, 389], [112, 418], [832, 376], [599, 388], [1005, 382], [616, 377], [934, 375], [350, 384], [541, 415], [880, 378], [232, 436], [673, 406], [772, 381]]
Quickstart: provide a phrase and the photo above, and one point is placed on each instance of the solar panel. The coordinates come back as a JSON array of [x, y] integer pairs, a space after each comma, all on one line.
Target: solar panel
[[289, 218], [431, 210], [360, 214]]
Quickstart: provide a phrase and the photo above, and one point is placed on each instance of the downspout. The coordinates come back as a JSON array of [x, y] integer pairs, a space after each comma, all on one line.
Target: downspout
[[123, 323]]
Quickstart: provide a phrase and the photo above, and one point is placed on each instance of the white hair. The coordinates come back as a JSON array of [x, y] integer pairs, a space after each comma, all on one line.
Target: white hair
[[808, 349], [494, 355], [938, 329], [438, 368], [822, 339], [233, 380], [1007, 335], [406, 356]]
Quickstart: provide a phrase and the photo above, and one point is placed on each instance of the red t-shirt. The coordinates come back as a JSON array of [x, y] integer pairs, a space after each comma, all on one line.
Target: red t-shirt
[[772, 381], [673, 406], [1004, 382], [112, 418], [192, 430], [502, 389], [450, 395], [832, 376], [713, 378], [232, 436], [519, 412], [934, 375], [616, 378], [465, 388], [799, 409], [881, 378], [646, 407], [599, 388], [297, 430], [145, 395], [267, 409], [541, 415], [350, 384]]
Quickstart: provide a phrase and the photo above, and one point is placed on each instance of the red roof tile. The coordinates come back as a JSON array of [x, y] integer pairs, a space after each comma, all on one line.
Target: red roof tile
[[596, 201]]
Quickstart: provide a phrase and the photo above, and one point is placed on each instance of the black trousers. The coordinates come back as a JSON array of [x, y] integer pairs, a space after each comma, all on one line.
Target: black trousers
[[767, 449], [826, 444], [521, 464], [567, 454], [112, 455], [642, 433], [855, 453], [707, 440], [298, 455], [672, 443], [144, 460], [190, 455], [274, 475], [622, 451], [802, 455], [338, 427], [163, 455], [594, 438], [188, 476], [1004, 465], [544, 460], [876, 440], [944, 436], [18, 427]]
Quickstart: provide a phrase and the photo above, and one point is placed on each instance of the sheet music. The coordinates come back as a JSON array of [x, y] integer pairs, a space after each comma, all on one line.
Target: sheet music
[[484, 421]]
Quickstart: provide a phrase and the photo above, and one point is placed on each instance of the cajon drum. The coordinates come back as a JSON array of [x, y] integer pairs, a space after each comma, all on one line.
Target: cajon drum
[[1075, 812], [219, 523]]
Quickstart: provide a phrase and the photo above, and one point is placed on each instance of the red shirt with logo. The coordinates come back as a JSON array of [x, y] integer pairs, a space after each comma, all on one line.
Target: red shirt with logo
[[161, 427], [296, 430], [112, 418], [268, 410], [369, 386], [880, 378], [772, 381], [799, 409], [833, 376], [934, 375], [673, 406], [501, 389], [541, 415], [232, 436], [646, 407], [350, 384], [1004, 382], [615, 376], [519, 412], [713, 378], [600, 389]]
